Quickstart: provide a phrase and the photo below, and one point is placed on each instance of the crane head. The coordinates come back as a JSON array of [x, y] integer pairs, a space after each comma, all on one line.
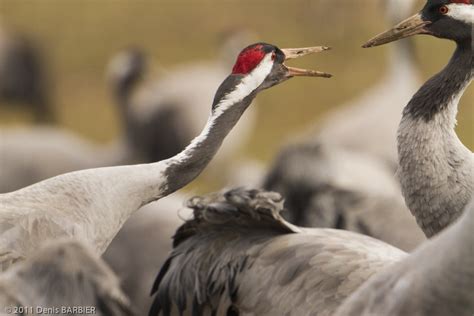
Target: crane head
[[262, 57], [126, 67], [448, 19], [258, 67]]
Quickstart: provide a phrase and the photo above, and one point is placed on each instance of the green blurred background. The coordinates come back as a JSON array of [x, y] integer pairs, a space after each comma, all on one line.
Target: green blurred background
[[78, 37]]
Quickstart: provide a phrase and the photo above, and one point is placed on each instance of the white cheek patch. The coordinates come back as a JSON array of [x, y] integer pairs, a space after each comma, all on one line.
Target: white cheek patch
[[461, 12], [248, 84]]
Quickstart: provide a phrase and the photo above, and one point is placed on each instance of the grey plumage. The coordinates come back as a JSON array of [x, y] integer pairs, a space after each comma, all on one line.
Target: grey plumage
[[143, 245], [64, 274], [436, 170], [93, 204], [328, 186], [437, 279], [239, 257]]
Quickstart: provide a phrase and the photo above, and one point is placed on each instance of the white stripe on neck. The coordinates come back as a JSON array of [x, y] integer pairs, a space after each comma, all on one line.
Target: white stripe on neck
[[248, 84], [461, 12]]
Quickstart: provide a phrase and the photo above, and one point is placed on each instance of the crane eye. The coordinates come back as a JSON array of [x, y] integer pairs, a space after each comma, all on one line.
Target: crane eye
[[443, 10], [273, 56]]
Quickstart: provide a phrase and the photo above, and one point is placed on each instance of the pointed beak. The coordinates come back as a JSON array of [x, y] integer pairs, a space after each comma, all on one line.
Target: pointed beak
[[411, 26], [293, 53]]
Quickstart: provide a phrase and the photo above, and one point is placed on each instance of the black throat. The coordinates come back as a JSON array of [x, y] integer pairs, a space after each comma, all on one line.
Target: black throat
[[438, 92]]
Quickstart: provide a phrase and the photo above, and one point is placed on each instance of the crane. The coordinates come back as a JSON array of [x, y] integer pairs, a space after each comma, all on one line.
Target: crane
[[93, 204], [436, 170]]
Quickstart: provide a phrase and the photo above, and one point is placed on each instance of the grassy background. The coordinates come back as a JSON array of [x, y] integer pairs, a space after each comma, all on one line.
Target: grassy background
[[78, 37]]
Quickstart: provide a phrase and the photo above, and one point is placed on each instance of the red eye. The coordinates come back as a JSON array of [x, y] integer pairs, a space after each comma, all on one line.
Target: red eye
[[444, 10], [274, 56]]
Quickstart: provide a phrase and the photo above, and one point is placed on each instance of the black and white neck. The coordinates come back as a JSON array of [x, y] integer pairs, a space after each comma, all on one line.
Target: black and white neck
[[436, 170]]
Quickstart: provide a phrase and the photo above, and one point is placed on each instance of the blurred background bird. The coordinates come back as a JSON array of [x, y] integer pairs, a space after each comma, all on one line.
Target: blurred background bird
[[63, 273], [23, 78], [342, 174]]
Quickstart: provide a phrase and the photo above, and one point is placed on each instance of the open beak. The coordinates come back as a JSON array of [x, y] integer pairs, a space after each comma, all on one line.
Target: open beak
[[411, 26], [293, 53]]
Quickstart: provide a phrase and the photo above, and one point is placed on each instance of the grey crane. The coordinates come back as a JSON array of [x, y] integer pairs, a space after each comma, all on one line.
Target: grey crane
[[437, 279], [436, 170], [369, 123], [93, 204], [238, 256], [22, 75], [61, 276], [164, 114], [329, 186]]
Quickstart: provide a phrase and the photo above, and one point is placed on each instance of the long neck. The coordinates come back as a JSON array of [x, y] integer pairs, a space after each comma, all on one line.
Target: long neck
[[108, 196], [436, 170], [187, 165], [440, 95]]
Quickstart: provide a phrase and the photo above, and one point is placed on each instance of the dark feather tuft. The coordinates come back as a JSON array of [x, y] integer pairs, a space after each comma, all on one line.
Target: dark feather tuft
[[203, 269]]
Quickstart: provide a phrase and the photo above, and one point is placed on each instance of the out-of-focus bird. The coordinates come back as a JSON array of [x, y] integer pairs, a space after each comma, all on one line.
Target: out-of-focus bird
[[93, 204], [22, 77], [166, 114], [30, 155], [435, 169], [238, 256], [369, 123], [437, 279], [342, 176], [62, 275], [328, 186]]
